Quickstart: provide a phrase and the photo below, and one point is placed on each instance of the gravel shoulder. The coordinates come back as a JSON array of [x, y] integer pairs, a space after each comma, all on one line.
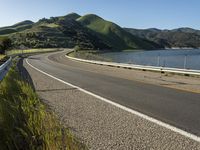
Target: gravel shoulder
[[101, 125]]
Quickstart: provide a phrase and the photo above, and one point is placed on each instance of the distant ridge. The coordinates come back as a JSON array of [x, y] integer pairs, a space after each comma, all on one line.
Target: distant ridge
[[180, 37], [26, 22], [16, 27]]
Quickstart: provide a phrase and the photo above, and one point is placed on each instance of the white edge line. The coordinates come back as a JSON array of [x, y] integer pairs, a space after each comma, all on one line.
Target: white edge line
[[160, 123]]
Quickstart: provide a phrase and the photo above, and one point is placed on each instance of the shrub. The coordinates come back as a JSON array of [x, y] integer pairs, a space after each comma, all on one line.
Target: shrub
[[5, 43]]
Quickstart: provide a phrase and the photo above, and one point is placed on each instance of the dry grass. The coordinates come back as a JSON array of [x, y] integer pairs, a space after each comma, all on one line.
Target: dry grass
[[25, 122], [12, 52], [2, 56]]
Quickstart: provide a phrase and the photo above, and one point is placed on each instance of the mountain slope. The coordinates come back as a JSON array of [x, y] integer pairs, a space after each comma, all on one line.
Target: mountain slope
[[181, 37], [89, 32], [27, 24], [63, 31], [114, 35]]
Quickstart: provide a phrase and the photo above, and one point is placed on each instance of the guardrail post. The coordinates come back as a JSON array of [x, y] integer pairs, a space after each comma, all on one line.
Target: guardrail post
[[185, 62], [158, 60], [164, 63]]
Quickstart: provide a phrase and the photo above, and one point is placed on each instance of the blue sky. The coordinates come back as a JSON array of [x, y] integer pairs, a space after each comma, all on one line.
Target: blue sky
[[165, 14]]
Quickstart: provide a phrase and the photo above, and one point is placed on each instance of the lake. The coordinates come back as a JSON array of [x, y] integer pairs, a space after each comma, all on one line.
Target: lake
[[181, 58]]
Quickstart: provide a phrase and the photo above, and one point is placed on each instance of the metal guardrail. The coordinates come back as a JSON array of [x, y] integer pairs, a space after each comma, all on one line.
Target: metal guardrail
[[140, 67], [4, 68]]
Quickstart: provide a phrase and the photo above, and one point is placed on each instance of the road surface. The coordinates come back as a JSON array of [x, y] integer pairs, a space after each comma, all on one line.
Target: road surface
[[175, 107]]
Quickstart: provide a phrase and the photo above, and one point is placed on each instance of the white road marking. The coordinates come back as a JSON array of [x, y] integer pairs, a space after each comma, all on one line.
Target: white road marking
[[160, 123]]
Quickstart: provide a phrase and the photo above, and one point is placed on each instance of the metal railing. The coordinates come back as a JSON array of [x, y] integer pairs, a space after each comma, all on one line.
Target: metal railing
[[180, 62], [4, 68], [141, 67]]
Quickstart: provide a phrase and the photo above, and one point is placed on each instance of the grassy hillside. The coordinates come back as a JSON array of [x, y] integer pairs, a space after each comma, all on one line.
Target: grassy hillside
[[93, 32], [181, 37], [88, 32], [114, 35], [63, 31]]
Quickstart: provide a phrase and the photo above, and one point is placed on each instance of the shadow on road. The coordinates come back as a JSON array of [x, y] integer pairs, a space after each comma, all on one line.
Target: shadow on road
[[64, 89], [24, 73]]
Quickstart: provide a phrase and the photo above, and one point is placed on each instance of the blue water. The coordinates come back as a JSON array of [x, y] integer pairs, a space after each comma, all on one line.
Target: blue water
[[182, 58]]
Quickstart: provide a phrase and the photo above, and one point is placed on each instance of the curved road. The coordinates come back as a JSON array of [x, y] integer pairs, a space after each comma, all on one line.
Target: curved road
[[175, 107]]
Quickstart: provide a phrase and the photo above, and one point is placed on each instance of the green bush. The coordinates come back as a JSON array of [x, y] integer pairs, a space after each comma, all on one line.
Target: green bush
[[5, 43]]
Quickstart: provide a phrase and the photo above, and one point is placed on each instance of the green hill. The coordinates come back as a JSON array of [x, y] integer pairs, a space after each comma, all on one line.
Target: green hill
[[89, 32], [113, 35], [63, 31]]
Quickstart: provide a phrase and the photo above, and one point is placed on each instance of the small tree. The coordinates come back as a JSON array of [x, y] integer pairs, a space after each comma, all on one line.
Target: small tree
[[77, 48], [5, 43]]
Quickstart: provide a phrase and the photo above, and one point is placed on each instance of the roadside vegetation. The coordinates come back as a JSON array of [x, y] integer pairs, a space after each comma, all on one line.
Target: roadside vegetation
[[89, 55], [5, 43], [26, 123], [1, 56], [3, 59], [26, 51]]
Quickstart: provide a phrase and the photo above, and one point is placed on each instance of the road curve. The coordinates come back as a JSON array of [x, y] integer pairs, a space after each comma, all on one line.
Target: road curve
[[175, 107]]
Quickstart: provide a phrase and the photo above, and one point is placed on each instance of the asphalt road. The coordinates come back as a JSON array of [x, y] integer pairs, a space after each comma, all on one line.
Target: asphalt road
[[175, 107]]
